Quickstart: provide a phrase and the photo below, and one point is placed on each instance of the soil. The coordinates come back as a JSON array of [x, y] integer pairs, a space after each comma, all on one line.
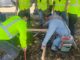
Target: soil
[[34, 52]]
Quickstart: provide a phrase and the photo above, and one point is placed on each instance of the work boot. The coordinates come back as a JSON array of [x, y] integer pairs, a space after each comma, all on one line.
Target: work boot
[[53, 48]]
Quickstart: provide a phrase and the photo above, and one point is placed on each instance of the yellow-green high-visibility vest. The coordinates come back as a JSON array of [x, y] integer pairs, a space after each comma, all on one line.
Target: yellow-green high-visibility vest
[[73, 7], [24, 4], [56, 8], [42, 4], [50, 2], [60, 5], [13, 26], [78, 8]]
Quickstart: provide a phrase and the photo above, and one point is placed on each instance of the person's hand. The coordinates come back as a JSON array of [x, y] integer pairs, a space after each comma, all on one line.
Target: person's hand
[[24, 49], [24, 53], [43, 47]]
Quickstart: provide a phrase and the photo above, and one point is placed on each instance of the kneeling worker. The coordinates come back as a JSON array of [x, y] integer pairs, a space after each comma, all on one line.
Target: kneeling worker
[[56, 25]]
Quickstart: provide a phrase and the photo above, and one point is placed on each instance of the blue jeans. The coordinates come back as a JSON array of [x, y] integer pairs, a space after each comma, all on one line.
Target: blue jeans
[[56, 42]]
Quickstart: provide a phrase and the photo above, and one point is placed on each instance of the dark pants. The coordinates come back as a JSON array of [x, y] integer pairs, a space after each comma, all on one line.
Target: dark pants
[[2, 17], [9, 51], [79, 18], [72, 21]]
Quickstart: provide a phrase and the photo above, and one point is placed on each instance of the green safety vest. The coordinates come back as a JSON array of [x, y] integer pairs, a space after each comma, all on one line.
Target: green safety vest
[[73, 7], [56, 8], [24, 4], [50, 2], [78, 8], [29, 34], [42, 5], [60, 5], [13, 26]]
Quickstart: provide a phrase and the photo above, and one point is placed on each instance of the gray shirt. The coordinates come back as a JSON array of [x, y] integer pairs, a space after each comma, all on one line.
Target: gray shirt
[[5, 3]]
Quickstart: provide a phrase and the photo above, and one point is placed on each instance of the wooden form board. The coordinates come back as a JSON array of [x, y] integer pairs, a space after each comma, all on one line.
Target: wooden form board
[[37, 30]]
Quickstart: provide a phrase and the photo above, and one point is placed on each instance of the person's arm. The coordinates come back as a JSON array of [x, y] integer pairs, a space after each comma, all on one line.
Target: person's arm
[[51, 30], [23, 34]]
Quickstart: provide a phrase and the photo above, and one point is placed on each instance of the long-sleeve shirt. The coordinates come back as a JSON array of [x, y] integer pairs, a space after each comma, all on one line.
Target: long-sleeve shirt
[[56, 26], [13, 26], [7, 2]]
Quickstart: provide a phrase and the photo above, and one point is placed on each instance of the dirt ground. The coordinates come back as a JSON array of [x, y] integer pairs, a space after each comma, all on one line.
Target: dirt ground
[[34, 53]]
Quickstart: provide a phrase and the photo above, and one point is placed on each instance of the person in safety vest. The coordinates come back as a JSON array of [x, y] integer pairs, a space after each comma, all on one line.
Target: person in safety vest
[[40, 7], [25, 14], [77, 26], [78, 10], [9, 29], [24, 4], [60, 8], [42, 4], [56, 25], [73, 9]]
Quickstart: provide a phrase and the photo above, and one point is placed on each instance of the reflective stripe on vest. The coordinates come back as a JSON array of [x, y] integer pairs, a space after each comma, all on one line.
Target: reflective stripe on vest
[[6, 30]]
